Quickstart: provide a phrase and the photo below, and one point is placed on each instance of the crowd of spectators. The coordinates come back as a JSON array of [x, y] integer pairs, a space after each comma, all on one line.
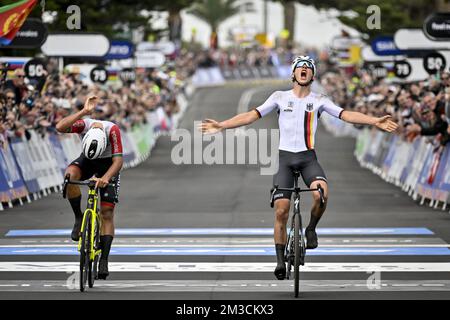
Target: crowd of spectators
[[420, 108], [38, 105]]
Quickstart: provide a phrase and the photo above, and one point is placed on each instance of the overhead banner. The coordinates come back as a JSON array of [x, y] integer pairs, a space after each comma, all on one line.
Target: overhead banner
[[149, 59], [437, 27], [385, 46], [166, 47], [32, 34], [76, 45], [120, 50], [368, 55], [415, 39]]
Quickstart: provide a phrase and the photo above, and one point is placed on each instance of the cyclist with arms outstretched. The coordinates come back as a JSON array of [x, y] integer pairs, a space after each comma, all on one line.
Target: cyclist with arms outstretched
[[100, 160], [298, 111]]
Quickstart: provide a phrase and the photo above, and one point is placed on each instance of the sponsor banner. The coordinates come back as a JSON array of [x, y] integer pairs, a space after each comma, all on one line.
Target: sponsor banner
[[385, 46], [71, 145], [412, 150], [444, 181], [120, 49], [376, 137], [204, 77], [78, 44], [423, 150], [423, 187], [11, 173], [23, 159], [390, 155], [31, 35], [415, 39], [129, 154], [440, 193], [58, 151], [284, 71], [437, 26]]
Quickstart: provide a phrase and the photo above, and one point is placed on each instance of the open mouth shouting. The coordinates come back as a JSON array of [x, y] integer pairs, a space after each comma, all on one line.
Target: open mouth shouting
[[303, 74]]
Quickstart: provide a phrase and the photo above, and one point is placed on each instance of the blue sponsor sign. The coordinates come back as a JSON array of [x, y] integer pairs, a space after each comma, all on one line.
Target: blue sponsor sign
[[61, 158], [119, 50], [412, 153], [23, 160], [12, 174], [385, 46], [444, 181]]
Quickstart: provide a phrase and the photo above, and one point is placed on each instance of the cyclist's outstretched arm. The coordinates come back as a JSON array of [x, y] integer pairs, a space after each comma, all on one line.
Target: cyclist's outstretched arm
[[242, 119], [66, 123], [385, 123]]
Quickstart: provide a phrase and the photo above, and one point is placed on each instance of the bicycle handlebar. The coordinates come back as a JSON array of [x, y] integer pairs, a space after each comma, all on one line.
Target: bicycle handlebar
[[319, 188], [90, 183]]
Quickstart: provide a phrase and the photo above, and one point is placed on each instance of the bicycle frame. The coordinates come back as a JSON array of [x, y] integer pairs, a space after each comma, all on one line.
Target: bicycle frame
[[92, 208]]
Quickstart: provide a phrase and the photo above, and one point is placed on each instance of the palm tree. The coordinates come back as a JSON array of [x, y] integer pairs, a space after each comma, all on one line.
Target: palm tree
[[214, 12]]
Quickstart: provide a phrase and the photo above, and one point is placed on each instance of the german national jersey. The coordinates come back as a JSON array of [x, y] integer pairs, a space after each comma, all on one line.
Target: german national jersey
[[112, 131], [298, 117]]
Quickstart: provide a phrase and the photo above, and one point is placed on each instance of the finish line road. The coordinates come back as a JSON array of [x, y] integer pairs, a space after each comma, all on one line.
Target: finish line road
[[205, 231]]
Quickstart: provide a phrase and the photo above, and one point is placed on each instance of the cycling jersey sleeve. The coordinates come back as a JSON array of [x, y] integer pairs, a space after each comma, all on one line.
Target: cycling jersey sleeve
[[329, 107], [116, 141], [269, 105], [78, 127]]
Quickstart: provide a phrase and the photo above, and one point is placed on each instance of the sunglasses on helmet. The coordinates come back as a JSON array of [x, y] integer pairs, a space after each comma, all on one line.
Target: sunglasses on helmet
[[306, 63]]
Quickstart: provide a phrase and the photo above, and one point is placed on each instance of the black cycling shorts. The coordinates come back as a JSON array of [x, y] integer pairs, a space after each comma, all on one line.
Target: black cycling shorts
[[305, 162], [98, 167]]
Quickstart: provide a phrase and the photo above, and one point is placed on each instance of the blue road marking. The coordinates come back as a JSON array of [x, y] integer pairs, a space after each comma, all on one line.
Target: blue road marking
[[224, 251], [224, 232]]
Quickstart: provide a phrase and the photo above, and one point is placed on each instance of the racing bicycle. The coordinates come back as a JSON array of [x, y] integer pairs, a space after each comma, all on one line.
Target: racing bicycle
[[89, 243], [296, 245]]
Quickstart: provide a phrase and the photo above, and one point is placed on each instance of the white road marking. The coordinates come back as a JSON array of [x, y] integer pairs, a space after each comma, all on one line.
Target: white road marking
[[365, 267], [230, 286]]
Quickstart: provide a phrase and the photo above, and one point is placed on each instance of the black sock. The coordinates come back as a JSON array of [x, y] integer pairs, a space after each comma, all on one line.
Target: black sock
[[75, 203], [279, 248], [105, 243], [313, 223]]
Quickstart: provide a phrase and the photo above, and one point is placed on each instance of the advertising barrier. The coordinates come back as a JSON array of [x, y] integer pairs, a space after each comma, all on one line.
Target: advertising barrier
[[420, 167]]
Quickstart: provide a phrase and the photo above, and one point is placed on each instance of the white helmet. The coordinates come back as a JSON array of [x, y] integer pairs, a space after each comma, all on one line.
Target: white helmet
[[305, 59], [94, 143]]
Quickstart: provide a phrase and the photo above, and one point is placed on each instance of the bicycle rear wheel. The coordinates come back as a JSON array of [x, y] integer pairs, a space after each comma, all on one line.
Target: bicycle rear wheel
[[297, 253], [85, 263]]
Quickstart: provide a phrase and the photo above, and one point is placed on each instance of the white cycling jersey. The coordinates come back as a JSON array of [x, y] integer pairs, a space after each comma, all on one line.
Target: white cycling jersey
[[298, 117]]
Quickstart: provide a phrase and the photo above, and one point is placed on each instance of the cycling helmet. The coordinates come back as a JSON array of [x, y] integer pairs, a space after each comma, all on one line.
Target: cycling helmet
[[94, 143], [301, 60]]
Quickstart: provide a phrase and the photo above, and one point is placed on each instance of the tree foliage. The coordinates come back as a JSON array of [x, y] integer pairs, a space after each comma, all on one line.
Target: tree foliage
[[214, 12], [395, 14]]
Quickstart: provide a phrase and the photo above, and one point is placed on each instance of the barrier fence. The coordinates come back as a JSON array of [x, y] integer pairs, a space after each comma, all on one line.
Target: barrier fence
[[421, 168], [215, 76], [34, 167]]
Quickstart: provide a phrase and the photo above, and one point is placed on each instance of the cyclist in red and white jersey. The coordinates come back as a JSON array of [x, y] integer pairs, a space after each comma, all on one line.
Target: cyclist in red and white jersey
[[100, 160], [298, 111]]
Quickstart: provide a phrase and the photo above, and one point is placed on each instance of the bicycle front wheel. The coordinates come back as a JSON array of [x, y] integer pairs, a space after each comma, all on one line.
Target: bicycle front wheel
[[94, 264], [85, 263], [297, 253]]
